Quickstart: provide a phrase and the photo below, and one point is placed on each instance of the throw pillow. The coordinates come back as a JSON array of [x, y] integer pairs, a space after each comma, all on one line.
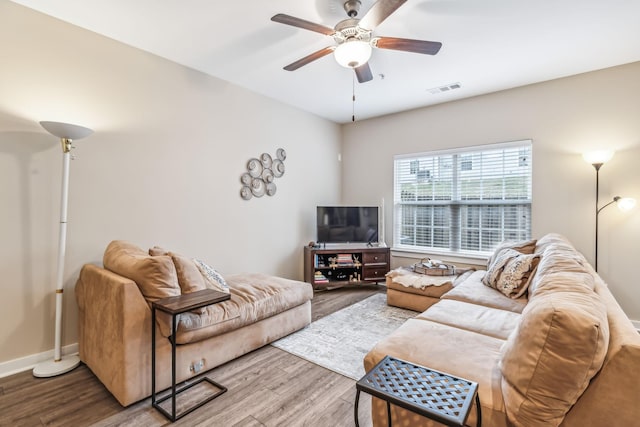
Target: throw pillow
[[189, 277], [212, 278], [522, 246], [155, 276], [511, 272], [158, 251]]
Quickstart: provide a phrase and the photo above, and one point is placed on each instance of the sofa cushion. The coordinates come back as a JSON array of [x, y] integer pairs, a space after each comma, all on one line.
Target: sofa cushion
[[451, 350], [511, 271], [616, 381], [254, 297], [550, 240], [549, 359], [473, 291], [156, 276], [558, 257], [472, 317]]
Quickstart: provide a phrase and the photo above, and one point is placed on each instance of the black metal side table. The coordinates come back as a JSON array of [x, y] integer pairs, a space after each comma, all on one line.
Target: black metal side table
[[432, 394], [175, 306]]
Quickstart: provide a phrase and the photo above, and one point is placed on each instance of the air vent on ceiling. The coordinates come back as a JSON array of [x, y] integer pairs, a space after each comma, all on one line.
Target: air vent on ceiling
[[445, 88]]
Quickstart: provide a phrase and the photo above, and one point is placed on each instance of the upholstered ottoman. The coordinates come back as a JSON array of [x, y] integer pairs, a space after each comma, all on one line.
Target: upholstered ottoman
[[416, 291]]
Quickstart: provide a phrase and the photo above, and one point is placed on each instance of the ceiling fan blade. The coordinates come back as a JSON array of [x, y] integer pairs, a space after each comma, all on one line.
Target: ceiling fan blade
[[301, 23], [363, 73], [309, 58], [408, 45], [379, 12]]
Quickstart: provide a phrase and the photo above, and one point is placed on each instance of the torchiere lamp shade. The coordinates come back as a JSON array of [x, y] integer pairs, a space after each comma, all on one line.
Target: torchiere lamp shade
[[66, 130]]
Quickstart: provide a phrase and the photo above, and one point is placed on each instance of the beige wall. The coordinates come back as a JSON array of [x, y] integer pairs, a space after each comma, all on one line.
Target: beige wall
[[163, 167], [564, 118]]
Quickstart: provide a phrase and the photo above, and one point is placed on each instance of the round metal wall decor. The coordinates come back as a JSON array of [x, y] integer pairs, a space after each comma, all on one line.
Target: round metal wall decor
[[271, 189], [246, 178], [245, 193], [278, 168], [267, 175], [258, 187], [254, 166], [266, 160], [261, 174]]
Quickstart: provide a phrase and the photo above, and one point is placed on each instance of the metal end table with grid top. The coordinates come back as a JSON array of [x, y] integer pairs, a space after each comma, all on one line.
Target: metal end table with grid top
[[432, 394]]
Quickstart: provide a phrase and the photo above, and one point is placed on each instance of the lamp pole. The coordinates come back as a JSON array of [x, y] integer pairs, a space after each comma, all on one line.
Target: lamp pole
[[60, 365], [597, 166]]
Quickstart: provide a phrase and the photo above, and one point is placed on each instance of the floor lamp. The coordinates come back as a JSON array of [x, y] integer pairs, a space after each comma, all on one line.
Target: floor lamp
[[597, 159], [67, 133]]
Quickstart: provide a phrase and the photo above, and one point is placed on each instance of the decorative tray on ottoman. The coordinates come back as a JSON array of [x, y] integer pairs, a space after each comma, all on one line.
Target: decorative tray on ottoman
[[434, 267]]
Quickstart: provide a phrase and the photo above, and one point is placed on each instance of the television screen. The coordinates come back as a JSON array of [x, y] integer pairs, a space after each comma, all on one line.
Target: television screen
[[347, 224]]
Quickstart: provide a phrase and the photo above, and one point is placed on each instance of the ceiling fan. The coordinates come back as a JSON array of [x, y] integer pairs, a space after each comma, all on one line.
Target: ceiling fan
[[353, 37]]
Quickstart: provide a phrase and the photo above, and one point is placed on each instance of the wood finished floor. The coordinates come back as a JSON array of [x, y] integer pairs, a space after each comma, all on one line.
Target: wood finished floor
[[267, 387]]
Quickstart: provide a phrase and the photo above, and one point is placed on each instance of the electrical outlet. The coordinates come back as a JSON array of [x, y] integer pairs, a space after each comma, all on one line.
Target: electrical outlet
[[197, 366]]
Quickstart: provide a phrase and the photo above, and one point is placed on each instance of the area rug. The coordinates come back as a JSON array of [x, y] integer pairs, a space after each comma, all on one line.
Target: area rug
[[340, 340]]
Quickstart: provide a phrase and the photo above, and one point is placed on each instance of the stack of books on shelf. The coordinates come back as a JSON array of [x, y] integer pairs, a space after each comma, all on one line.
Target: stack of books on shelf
[[319, 261], [344, 259], [320, 278]]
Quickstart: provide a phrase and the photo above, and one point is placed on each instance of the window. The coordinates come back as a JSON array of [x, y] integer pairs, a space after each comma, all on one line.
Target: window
[[463, 201]]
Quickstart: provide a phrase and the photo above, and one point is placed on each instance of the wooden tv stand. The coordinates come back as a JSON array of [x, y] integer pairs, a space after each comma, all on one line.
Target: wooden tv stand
[[333, 267]]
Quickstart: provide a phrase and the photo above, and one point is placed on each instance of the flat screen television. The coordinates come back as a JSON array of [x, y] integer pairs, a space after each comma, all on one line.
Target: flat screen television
[[347, 224]]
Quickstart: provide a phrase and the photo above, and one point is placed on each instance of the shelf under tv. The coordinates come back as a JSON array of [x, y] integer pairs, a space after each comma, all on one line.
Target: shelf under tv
[[370, 266]]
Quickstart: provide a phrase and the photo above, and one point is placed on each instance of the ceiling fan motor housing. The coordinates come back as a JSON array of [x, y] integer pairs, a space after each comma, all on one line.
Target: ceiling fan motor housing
[[348, 29], [352, 7]]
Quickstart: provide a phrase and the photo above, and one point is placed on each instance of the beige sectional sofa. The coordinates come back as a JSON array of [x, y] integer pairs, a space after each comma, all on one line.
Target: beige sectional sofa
[[115, 318], [563, 354]]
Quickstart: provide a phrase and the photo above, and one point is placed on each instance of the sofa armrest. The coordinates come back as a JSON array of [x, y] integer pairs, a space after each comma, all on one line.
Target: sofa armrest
[[114, 335]]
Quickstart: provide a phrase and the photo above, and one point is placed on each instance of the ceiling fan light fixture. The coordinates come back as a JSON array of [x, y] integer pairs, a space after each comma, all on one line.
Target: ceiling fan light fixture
[[353, 53]]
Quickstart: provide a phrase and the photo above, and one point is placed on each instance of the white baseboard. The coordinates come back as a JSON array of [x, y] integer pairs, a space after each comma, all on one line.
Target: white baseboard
[[22, 364]]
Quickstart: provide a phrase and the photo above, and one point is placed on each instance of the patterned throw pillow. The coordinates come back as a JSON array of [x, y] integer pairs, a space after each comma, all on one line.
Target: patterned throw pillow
[[511, 272], [523, 246], [212, 278]]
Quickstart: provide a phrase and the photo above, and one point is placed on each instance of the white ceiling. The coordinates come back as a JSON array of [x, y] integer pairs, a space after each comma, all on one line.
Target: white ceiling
[[488, 45]]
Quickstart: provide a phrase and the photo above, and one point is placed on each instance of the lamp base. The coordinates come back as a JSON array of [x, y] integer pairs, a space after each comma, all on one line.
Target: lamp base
[[52, 368]]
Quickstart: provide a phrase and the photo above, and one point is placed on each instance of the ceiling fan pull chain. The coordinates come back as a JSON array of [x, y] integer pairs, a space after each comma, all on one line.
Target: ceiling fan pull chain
[[353, 98]]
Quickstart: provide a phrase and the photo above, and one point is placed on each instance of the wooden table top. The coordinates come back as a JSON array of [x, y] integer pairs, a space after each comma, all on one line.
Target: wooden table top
[[191, 301]]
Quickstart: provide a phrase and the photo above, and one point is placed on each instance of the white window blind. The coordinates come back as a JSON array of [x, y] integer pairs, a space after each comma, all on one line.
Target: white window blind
[[464, 200]]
